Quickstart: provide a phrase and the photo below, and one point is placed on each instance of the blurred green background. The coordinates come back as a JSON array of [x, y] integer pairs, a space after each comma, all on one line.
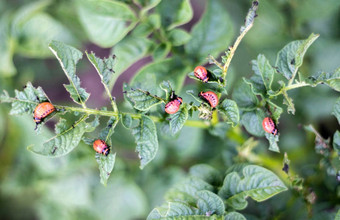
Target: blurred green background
[[34, 187]]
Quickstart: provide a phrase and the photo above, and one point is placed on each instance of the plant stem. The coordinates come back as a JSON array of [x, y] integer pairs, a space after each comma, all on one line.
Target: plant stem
[[233, 49], [289, 87], [190, 123], [297, 85]]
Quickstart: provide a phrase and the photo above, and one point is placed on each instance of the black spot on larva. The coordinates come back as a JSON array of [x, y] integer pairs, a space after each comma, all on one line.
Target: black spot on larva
[[255, 3], [292, 62]]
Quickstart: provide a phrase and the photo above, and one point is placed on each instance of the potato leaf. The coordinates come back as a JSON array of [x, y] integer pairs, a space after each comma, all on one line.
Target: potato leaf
[[68, 58], [178, 119], [229, 108], [255, 182], [290, 58], [66, 139], [25, 101], [143, 100], [146, 138]]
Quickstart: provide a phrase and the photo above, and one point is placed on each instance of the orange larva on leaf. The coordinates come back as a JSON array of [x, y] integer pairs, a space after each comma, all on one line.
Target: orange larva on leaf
[[269, 126], [42, 111], [210, 97], [173, 106], [201, 73], [101, 147]]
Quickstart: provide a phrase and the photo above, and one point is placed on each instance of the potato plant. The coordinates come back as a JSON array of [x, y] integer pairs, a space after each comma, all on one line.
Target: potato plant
[[136, 29]]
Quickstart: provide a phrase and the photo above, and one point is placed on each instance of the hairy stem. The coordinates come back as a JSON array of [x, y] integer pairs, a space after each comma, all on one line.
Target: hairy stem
[[289, 87], [233, 49], [190, 123]]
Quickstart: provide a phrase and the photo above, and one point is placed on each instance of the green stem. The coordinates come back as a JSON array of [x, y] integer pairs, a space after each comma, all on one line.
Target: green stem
[[290, 82], [233, 49], [297, 85], [190, 123], [289, 87]]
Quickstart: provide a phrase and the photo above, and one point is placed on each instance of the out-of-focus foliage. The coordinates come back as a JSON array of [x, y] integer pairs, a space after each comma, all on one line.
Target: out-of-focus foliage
[[33, 187]]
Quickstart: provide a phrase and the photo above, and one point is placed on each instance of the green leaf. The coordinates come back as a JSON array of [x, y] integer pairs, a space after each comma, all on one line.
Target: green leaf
[[275, 111], [191, 217], [194, 95], [167, 88], [256, 182], [38, 31], [273, 139], [67, 138], [290, 58], [214, 20], [180, 209], [234, 216], [263, 68], [178, 37], [104, 67], [107, 132], [255, 81], [337, 217], [143, 100], [106, 164], [155, 20], [336, 142], [121, 186], [158, 213], [161, 51], [174, 13], [178, 119], [252, 121], [94, 124], [155, 73], [105, 70], [25, 101], [126, 120], [146, 138], [209, 202], [336, 109], [147, 4], [105, 22], [229, 108], [33, 29], [68, 58], [186, 190], [206, 173], [331, 79], [7, 47], [128, 51], [244, 97]]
